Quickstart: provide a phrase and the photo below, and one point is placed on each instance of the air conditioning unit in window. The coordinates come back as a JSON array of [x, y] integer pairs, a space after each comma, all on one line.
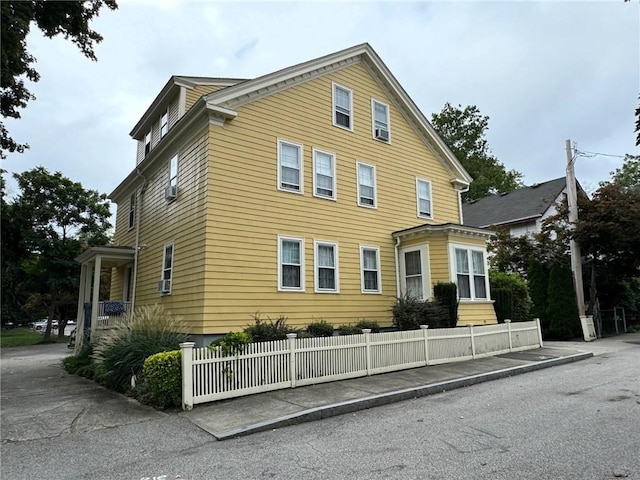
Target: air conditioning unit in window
[[171, 192], [164, 286], [382, 134]]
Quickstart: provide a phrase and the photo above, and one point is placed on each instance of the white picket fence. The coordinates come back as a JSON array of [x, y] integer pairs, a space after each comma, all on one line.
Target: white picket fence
[[260, 367]]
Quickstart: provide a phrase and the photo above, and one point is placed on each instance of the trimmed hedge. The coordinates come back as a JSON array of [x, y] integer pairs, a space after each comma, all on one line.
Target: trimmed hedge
[[162, 374]]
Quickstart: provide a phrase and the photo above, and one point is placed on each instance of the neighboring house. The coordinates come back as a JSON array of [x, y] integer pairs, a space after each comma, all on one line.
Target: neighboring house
[[521, 211], [319, 191]]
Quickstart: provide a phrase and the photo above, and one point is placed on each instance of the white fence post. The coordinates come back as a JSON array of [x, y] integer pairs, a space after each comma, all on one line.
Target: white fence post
[[425, 332], [367, 341], [292, 354], [508, 322], [537, 320], [473, 342], [187, 374]]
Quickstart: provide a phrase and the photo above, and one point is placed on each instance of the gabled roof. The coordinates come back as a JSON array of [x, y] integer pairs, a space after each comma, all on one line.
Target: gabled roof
[[526, 203]]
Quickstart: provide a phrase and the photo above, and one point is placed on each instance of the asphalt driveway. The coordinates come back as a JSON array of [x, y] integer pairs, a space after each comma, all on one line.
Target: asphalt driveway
[[40, 400]]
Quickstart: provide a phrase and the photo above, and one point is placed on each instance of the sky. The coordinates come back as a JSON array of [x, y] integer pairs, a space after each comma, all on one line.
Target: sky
[[543, 72]]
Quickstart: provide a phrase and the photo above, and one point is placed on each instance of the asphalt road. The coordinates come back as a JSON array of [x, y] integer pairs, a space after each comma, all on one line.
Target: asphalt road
[[577, 421]]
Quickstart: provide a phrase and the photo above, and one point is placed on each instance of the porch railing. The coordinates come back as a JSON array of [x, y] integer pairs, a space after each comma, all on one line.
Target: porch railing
[[111, 312]]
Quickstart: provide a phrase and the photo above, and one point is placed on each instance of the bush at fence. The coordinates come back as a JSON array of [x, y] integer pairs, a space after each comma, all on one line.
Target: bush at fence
[[320, 328], [231, 344], [121, 352], [370, 324], [447, 295], [348, 330], [162, 374], [409, 313], [516, 305], [269, 330]]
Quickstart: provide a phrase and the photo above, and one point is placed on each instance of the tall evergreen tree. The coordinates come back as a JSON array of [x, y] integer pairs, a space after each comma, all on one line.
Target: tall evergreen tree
[[562, 307]]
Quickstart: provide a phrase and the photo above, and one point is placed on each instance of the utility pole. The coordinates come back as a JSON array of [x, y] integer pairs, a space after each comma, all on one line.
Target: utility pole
[[576, 258]]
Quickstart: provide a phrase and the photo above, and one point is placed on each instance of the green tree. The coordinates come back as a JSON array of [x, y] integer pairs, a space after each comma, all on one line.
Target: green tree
[[463, 130], [562, 309], [537, 281], [68, 18], [55, 220], [515, 285]]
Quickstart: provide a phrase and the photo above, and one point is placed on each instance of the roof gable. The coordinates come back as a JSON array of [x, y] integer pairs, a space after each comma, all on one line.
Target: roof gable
[[526, 203]]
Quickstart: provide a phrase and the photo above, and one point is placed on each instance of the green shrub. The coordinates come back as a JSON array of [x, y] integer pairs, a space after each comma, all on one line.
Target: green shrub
[[517, 305], [562, 308], [267, 331], [349, 330], [320, 328], [231, 344], [371, 324], [81, 364], [409, 313], [503, 303], [538, 280], [162, 374], [447, 295], [121, 352]]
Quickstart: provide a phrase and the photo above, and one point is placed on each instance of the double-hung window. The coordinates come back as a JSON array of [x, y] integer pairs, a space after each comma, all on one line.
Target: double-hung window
[[164, 123], [366, 185], [370, 269], [147, 143], [342, 107], [290, 264], [132, 209], [167, 268], [380, 120], [324, 174], [326, 274], [414, 271], [289, 166], [471, 277], [423, 198], [171, 192]]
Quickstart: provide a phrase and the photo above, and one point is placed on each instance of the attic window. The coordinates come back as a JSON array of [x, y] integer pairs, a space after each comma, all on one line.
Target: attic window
[[164, 123], [147, 143], [342, 107]]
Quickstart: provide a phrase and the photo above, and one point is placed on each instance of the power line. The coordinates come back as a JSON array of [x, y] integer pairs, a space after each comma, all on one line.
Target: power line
[[595, 154]]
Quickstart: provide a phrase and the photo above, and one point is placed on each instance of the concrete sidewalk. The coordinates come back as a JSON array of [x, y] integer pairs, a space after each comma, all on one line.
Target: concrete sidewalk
[[242, 416]]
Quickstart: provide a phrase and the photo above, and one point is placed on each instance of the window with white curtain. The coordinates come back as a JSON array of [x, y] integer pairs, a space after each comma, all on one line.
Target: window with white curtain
[[342, 107], [173, 171], [147, 142], [324, 174], [290, 263], [164, 123], [370, 269], [366, 185], [423, 194], [471, 277], [289, 166], [326, 260], [414, 272]]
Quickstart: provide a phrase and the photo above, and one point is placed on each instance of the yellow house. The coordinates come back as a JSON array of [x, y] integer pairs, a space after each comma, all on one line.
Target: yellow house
[[319, 191]]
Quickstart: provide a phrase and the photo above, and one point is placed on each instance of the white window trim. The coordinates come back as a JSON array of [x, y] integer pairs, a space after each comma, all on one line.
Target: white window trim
[[147, 136], [379, 270], [302, 270], [418, 180], [454, 274], [373, 120], [426, 272], [165, 114], [333, 110], [131, 214], [316, 267], [164, 258], [301, 150], [375, 185], [334, 197]]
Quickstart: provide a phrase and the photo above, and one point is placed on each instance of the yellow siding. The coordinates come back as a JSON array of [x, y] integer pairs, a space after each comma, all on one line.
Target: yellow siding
[[194, 94], [476, 313], [247, 212]]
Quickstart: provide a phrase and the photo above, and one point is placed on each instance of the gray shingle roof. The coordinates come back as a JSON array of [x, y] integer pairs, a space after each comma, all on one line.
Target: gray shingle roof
[[527, 202]]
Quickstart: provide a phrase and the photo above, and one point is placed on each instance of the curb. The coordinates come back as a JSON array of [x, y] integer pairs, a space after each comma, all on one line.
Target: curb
[[350, 406]]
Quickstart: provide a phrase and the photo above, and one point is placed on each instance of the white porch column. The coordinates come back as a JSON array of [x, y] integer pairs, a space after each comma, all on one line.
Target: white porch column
[[95, 295], [80, 314]]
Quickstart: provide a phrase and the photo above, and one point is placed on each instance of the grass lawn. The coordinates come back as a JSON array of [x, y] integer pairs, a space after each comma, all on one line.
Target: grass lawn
[[17, 337], [20, 337]]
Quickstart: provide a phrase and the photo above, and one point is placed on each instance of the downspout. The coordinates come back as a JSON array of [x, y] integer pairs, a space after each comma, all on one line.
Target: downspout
[[460, 192], [137, 244], [396, 247]]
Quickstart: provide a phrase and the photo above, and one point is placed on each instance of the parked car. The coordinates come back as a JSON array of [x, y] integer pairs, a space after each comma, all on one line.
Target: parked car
[[41, 325]]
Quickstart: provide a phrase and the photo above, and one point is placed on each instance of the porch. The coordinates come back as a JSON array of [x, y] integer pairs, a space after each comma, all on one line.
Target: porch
[[94, 314]]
